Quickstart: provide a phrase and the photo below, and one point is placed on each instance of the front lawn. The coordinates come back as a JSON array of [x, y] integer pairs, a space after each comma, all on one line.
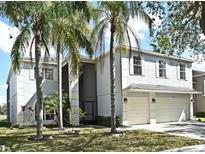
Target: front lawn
[[202, 119], [2, 117], [92, 139]]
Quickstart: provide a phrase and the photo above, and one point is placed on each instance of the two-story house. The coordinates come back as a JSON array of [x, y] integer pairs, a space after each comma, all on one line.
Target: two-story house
[[21, 92], [150, 87]]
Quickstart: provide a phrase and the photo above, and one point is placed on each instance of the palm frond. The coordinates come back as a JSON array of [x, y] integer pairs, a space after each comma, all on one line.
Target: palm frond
[[19, 48]]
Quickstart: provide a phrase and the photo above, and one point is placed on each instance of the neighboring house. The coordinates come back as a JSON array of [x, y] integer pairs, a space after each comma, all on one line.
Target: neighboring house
[[199, 85], [150, 88], [21, 92]]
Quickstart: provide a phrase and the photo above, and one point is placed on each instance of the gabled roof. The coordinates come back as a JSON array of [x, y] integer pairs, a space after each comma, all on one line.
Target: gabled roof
[[28, 60], [149, 52]]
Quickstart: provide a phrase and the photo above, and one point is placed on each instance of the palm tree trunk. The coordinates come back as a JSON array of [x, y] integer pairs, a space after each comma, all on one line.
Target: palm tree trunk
[[59, 57], [39, 78], [112, 80]]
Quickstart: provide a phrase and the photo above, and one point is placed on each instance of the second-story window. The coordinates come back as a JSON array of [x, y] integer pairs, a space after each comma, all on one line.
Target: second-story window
[[137, 64], [162, 69], [182, 71], [48, 73]]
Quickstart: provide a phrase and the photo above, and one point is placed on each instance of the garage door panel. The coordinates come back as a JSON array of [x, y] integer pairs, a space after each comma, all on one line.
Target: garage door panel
[[137, 110], [172, 108]]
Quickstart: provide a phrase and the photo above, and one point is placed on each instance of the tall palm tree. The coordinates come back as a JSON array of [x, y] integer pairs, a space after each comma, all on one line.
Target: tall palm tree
[[69, 32], [115, 16], [31, 19]]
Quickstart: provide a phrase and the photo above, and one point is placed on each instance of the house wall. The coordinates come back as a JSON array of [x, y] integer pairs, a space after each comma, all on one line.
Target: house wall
[[8, 103], [13, 97], [23, 92], [199, 99], [103, 86], [149, 76]]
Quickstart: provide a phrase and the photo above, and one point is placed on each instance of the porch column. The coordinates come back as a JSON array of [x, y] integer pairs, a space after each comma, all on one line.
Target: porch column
[[152, 108], [191, 107]]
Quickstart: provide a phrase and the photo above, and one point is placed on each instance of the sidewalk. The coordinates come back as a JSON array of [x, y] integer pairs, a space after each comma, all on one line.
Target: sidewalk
[[195, 148]]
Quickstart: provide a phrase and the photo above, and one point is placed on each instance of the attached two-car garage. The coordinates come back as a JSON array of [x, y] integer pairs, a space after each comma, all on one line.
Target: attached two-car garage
[[140, 109]]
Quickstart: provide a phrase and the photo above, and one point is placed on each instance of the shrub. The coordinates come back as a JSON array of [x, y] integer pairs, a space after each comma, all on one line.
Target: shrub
[[106, 121], [200, 114]]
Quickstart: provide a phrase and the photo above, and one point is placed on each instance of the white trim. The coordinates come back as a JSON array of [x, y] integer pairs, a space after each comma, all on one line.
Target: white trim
[[198, 75], [163, 91], [157, 68]]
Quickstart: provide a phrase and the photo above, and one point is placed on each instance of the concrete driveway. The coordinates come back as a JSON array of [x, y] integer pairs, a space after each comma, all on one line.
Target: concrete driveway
[[191, 129]]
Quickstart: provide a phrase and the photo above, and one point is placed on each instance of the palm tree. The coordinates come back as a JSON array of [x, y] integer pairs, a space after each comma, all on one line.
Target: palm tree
[[31, 19], [115, 16], [69, 32]]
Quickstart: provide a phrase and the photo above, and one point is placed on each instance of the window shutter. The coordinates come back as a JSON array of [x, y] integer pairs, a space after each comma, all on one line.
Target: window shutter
[[178, 72], [167, 69], [143, 66], [131, 65], [157, 68], [31, 74]]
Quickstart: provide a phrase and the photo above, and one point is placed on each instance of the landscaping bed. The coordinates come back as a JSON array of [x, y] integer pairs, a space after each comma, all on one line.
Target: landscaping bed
[[92, 139]]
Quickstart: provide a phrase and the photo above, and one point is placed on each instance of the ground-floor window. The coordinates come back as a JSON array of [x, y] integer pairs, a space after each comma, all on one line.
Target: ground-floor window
[[47, 114]]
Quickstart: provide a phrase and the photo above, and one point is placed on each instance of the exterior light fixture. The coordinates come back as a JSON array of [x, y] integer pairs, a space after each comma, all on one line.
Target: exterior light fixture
[[125, 100], [153, 100]]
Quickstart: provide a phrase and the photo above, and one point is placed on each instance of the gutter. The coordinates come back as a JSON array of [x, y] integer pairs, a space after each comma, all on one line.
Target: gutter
[[163, 91]]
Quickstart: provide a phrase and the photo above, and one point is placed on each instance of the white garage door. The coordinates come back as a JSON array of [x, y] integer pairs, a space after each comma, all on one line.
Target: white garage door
[[172, 108], [137, 110]]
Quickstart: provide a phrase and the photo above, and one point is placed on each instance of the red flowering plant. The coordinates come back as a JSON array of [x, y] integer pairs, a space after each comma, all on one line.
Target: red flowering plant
[[23, 108]]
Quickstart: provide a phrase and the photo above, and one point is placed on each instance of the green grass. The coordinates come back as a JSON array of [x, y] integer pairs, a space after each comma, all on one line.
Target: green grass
[[92, 140], [2, 117], [200, 119]]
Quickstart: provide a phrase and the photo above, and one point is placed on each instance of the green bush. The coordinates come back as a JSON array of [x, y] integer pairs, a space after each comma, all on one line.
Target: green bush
[[106, 121], [200, 114]]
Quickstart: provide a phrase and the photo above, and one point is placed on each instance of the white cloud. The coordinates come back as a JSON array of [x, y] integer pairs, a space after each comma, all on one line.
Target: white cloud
[[157, 21], [139, 28], [5, 42]]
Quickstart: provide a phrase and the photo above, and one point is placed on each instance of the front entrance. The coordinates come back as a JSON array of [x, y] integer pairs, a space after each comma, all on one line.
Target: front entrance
[[89, 107]]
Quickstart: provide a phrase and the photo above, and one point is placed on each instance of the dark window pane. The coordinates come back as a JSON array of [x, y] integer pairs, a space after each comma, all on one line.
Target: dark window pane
[[137, 65], [50, 116], [138, 70], [162, 73], [48, 73], [182, 75]]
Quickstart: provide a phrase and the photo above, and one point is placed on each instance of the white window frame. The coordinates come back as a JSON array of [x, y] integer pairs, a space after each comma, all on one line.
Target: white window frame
[[48, 113], [139, 65], [162, 68], [182, 71], [44, 73]]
